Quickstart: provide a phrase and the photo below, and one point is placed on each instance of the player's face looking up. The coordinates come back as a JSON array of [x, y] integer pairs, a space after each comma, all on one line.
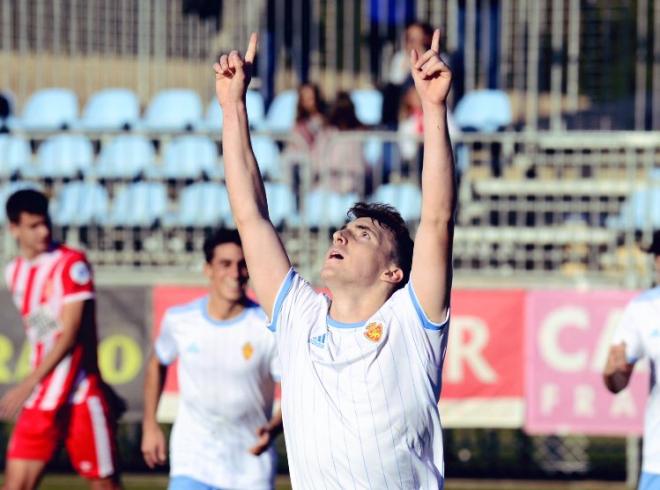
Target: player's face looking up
[[32, 231], [227, 272], [361, 254]]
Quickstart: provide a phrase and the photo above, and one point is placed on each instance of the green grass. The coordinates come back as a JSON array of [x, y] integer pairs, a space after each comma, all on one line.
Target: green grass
[[159, 482]]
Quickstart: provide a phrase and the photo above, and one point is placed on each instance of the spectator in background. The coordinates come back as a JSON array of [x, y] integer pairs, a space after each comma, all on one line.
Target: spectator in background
[[638, 336], [338, 163], [310, 117]]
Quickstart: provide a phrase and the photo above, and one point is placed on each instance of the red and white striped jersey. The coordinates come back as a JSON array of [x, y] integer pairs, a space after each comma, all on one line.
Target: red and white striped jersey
[[40, 288]]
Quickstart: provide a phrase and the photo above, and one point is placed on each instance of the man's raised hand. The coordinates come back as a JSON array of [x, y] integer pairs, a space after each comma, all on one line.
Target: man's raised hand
[[431, 75], [233, 73]]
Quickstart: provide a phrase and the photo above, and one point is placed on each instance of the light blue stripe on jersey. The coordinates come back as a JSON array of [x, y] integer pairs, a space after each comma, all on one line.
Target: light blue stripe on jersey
[[204, 305], [279, 299], [649, 481], [428, 324]]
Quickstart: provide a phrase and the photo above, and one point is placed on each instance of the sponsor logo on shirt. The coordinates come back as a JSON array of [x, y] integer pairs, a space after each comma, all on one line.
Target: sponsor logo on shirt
[[318, 341], [80, 273], [374, 331], [248, 351]]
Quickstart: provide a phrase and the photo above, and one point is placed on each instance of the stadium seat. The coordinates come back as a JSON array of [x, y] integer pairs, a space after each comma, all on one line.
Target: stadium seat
[[187, 157], [483, 110], [255, 109], [324, 208], [140, 204], [110, 110], [268, 156], [641, 211], [80, 204], [64, 156], [11, 187], [405, 197], [173, 110], [281, 115], [15, 156], [204, 204], [368, 106], [125, 157], [49, 109], [281, 204]]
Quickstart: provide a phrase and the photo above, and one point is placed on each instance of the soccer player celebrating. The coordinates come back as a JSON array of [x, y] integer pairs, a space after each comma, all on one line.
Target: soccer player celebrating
[[638, 336], [63, 399], [227, 370], [361, 373]]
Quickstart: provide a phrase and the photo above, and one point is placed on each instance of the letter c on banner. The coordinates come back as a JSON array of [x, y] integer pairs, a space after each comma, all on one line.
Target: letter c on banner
[[551, 328]]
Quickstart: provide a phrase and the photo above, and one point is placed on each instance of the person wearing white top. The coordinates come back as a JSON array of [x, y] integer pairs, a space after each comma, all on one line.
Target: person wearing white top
[[637, 336], [361, 373], [228, 370]]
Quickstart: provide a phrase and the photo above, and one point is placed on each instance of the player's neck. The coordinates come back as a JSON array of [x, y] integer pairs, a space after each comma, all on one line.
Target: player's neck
[[222, 309], [351, 306]]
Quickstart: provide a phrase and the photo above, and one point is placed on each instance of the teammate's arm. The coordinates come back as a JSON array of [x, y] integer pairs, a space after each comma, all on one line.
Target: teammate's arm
[[73, 315], [618, 370], [154, 448], [264, 253], [431, 268], [267, 433]]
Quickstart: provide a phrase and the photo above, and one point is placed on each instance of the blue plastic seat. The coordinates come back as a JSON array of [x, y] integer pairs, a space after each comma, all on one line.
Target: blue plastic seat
[[281, 204], [49, 110], [9, 188], [268, 156], [483, 110], [640, 211], [254, 102], [64, 155], [173, 110], [204, 204], [405, 197], [125, 157], [110, 110], [281, 115], [141, 204], [368, 106], [324, 208], [187, 157], [15, 156], [80, 204]]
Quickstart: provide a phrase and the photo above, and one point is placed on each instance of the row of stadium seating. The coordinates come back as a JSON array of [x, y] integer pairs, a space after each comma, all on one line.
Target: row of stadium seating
[[172, 110], [204, 204], [176, 110]]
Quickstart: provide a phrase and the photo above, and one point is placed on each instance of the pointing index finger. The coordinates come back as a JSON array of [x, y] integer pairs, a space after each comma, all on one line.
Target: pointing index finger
[[252, 48], [435, 42]]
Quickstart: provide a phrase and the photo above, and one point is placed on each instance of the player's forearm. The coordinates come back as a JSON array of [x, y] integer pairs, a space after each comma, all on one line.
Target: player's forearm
[[244, 183], [275, 423], [438, 176], [154, 380]]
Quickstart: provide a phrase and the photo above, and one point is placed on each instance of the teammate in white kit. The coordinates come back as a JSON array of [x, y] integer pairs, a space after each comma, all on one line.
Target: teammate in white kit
[[638, 336], [228, 371], [361, 373]]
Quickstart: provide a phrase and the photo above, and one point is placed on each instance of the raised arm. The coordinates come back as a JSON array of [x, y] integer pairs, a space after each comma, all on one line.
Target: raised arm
[[264, 253], [431, 268]]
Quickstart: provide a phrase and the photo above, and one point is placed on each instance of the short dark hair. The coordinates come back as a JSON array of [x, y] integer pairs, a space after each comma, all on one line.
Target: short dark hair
[[388, 217], [218, 237], [654, 247], [26, 201]]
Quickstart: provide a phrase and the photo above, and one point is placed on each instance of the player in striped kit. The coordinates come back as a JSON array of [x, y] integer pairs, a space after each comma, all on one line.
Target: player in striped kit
[[361, 373], [228, 369], [63, 399]]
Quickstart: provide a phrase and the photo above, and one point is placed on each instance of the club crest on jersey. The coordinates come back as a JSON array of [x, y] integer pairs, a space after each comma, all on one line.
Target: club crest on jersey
[[248, 351], [374, 331], [80, 273]]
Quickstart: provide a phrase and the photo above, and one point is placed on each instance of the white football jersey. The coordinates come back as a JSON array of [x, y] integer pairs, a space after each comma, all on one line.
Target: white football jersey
[[359, 400], [640, 330], [227, 373]]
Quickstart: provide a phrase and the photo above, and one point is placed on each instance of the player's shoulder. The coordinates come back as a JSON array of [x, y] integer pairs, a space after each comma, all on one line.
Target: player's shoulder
[[649, 296], [70, 253], [184, 309]]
